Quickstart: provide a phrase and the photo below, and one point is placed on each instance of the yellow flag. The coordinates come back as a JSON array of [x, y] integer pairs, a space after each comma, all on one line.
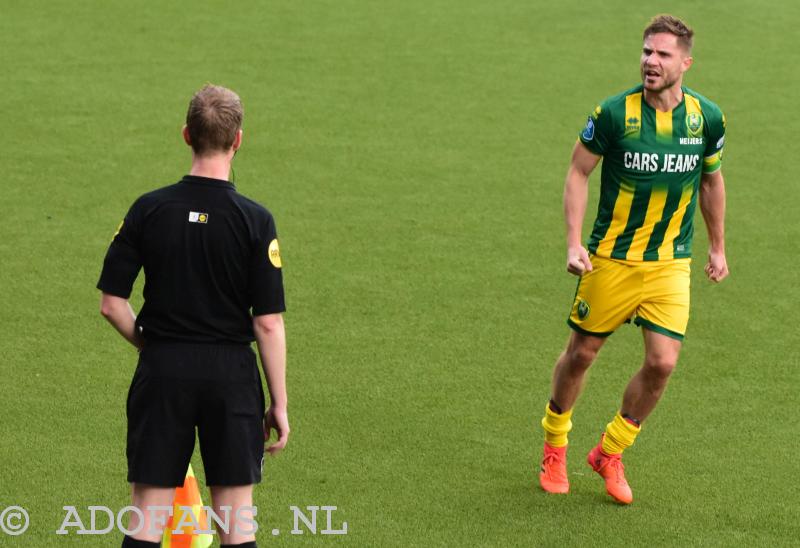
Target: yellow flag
[[188, 495]]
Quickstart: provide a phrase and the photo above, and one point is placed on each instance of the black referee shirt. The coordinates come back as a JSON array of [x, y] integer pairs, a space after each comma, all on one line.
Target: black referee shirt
[[210, 256]]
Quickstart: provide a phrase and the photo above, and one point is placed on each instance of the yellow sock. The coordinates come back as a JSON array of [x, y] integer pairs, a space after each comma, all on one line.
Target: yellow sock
[[556, 426], [620, 434]]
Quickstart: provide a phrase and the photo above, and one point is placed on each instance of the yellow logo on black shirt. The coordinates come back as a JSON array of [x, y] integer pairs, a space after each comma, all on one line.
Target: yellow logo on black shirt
[[198, 217], [274, 254]]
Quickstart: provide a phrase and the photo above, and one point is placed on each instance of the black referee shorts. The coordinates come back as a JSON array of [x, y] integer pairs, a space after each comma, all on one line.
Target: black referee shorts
[[180, 387]]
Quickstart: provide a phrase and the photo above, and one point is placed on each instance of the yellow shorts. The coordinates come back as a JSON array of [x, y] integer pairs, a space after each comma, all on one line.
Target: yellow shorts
[[655, 295]]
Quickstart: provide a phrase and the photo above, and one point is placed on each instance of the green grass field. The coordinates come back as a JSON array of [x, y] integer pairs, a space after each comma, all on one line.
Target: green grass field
[[413, 154]]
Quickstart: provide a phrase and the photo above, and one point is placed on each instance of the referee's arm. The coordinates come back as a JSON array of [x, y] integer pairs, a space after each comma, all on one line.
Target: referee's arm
[[271, 341], [119, 313]]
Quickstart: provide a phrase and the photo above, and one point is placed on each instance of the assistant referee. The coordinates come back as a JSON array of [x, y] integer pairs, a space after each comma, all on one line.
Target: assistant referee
[[213, 284]]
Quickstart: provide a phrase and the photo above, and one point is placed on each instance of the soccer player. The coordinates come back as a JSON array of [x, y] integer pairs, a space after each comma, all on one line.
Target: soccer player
[[213, 284], [661, 145]]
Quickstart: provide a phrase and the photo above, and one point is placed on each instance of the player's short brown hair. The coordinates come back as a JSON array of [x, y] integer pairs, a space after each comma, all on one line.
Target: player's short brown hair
[[672, 25], [214, 117]]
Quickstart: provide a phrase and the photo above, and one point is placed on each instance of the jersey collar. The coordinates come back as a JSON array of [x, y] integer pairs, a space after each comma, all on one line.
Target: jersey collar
[[681, 103], [208, 181]]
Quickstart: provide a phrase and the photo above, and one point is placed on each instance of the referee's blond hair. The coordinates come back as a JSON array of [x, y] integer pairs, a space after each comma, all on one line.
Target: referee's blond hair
[[214, 117]]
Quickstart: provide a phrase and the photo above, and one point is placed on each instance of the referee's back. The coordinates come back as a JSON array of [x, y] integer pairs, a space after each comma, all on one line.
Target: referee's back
[[211, 261]]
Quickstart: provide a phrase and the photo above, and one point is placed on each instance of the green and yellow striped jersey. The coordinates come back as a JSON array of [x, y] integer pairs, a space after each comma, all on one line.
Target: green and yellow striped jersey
[[652, 164]]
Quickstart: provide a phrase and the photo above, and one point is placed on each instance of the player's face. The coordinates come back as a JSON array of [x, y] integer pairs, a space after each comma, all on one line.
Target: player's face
[[664, 61]]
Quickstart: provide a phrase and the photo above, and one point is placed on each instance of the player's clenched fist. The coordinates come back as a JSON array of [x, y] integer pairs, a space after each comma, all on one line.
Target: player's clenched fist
[[578, 260], [717, 267]]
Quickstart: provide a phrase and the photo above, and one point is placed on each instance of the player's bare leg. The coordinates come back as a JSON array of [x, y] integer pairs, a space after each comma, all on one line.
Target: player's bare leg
[[648, 384], [568, 380], [146, 498], [240, 499], [571, 367], [640, 398]]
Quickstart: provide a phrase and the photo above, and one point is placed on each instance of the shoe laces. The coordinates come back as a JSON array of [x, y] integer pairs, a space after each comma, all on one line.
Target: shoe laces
[[552, 458], [615, 463], [554, 463]]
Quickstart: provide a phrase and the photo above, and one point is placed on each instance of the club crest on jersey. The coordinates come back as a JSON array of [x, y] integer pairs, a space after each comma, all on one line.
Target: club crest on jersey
[[588, 131], [694, 123], [198, 217], [583, 309]]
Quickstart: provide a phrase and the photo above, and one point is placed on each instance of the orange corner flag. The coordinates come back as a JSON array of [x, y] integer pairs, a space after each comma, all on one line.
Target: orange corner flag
[[188, 495]]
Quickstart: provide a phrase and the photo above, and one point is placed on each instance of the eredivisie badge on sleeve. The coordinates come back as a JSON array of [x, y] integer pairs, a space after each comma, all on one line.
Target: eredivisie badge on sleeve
[[274, 254], [588, 131]]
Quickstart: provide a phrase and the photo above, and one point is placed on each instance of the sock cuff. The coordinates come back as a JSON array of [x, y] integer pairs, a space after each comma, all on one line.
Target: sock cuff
[[620, 434], [556, 426], [566, 415], [622, 422]]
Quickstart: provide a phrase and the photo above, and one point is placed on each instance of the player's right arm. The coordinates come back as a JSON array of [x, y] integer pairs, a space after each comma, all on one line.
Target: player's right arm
[[118, 312], [576, 193]]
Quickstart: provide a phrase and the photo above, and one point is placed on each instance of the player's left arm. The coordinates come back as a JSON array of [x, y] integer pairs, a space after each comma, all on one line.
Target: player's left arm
[[712, 204], [268, 305], [119, 313]]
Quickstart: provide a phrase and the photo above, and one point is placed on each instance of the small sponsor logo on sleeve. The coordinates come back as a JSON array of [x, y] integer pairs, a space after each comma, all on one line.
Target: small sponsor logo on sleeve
[[122, 222], [198, 217], [720, 142], [588, 131], [274, 254]]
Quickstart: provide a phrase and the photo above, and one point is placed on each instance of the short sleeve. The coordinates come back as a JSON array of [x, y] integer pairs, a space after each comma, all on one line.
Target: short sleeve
[[266, 274], [123, 258], [598, 132], [715, 142]]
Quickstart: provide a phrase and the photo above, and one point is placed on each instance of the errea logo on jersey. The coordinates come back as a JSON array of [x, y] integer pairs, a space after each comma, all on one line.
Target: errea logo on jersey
[[632, 125], [198, 217]]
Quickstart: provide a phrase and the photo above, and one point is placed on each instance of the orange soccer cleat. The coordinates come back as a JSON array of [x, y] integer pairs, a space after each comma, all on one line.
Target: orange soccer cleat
[[612, 470], [553, 474]]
